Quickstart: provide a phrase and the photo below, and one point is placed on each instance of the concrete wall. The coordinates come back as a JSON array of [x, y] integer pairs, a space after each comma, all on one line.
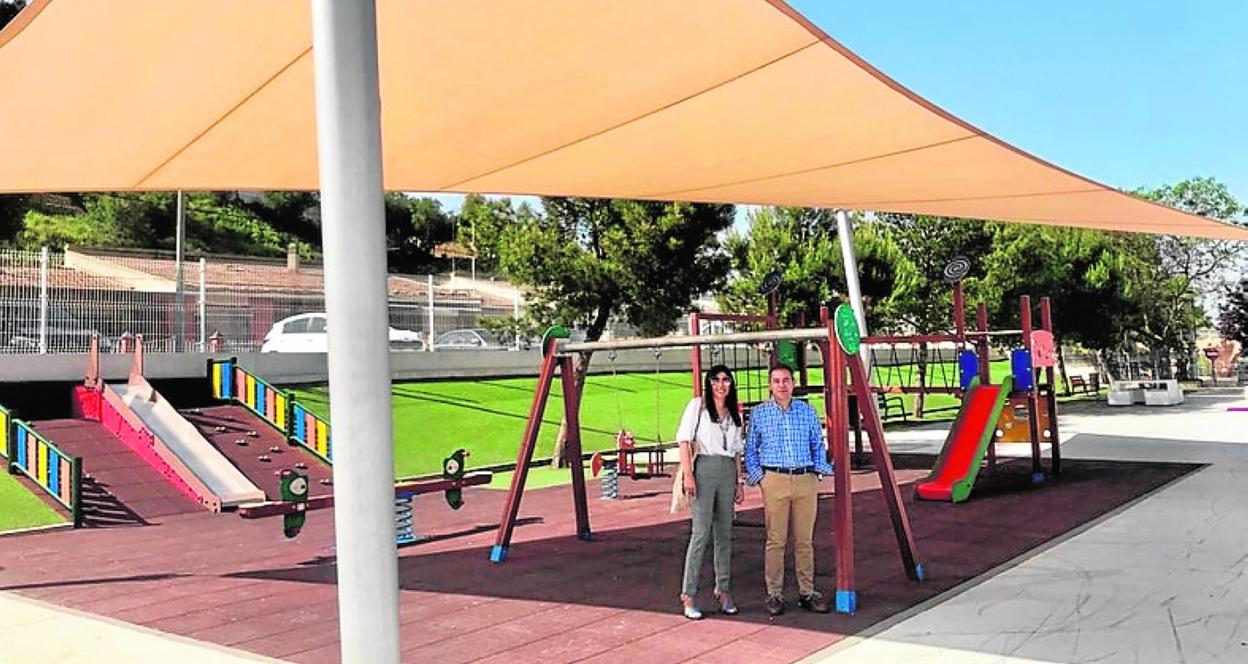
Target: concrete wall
[[289, 368]]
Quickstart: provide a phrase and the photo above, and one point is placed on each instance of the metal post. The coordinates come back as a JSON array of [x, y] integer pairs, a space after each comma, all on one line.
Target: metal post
[[515, 313], [348, 114], [178, 259], [845, 229], [43, 300], [203, 304], [695, 354], [430, 306]]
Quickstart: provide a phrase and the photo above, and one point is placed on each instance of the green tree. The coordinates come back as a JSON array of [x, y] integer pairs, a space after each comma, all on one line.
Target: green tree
[[414, 228], [926, 244], [1233, 318], [9, 9], [481, 225], [1178, 274], [215, 222], [295, 214], [585, 261], [802, 244], [13, 209]]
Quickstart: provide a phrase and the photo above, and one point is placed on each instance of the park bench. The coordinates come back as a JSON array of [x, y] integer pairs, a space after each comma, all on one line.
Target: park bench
[[1091, 384]]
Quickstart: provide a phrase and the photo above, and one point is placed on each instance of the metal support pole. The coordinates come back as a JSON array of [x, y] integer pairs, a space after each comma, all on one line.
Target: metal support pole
[[845, 229], [695, 354], [203, 304], [43, 300], [515, 313], [430, 306], [179, 256], [348, 113]]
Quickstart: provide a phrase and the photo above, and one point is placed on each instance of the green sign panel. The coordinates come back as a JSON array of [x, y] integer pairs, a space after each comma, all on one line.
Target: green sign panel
[[847, 331]]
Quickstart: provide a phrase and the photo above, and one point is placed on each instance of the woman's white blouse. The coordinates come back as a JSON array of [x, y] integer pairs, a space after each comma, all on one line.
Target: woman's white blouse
[[722, 438]]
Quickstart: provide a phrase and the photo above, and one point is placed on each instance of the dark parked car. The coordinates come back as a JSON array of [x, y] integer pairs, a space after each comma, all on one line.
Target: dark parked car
[[467, 339], [19, 330]]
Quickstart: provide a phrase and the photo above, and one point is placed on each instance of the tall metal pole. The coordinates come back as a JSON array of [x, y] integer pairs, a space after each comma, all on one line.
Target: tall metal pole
[[179, 275], [348, 114], [43, 299], [845, 229], [203, 304], [515, 314], [430, 303]]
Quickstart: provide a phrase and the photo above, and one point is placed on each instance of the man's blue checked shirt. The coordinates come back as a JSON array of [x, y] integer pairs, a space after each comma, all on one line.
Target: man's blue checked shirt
[[782, 438]]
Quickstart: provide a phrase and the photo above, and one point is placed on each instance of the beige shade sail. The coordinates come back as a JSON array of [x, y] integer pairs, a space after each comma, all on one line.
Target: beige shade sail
[[737, 101]]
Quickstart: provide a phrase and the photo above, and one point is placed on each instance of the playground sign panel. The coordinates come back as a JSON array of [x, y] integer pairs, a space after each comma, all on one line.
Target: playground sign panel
[[847, 332]]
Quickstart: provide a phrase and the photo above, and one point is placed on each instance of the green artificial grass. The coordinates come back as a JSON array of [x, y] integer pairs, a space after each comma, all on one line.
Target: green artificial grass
[[487, 417], [539, 478], [19, 508]]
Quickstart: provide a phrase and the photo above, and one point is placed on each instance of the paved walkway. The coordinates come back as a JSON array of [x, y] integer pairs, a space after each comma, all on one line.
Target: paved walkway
[[1162, 580], [38, 632]]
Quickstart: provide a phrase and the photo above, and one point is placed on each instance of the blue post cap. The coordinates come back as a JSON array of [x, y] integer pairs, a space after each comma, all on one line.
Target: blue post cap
[[498, 554], [846, 601]]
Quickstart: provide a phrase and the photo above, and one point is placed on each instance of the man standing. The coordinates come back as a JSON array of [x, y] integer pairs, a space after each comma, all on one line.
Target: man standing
[[785, 454]]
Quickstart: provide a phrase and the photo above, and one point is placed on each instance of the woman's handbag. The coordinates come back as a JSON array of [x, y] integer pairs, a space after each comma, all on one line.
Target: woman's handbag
[[680, 500]]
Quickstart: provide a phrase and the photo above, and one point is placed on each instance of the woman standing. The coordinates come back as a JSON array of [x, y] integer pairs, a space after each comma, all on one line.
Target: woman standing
[[710, 460]]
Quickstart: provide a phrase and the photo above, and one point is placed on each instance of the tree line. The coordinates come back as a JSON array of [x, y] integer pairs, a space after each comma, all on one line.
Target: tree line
[[588, 262]]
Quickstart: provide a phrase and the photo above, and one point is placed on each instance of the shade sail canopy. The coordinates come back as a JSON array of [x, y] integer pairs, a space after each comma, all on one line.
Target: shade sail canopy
[[739, 101]]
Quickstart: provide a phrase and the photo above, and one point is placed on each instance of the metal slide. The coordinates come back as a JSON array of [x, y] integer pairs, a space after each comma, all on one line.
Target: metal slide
[[199, 457]]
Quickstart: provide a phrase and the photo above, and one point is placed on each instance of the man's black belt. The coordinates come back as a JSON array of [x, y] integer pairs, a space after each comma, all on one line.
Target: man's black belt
[[789, 471]]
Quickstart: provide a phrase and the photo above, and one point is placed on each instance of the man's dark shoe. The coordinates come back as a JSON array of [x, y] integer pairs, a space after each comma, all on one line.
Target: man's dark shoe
[[814, 602], [775, 605]]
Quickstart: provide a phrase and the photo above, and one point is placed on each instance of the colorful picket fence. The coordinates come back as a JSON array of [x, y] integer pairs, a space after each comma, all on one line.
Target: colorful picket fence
[[5, 419], [231, 382], [312, 432], [29, 453]]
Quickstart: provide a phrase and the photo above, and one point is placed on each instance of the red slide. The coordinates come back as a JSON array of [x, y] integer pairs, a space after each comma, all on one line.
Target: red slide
[[960, 459]]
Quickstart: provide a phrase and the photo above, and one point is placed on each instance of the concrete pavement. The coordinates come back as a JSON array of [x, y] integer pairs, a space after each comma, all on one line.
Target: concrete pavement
[[1164, 579]]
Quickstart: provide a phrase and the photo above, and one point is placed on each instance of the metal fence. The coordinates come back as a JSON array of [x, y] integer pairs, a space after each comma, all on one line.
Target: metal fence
[[54, 301]]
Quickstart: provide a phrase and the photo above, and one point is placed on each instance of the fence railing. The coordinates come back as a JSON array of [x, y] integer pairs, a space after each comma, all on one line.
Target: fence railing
[[300, 425], [53, 301], [57, 473]]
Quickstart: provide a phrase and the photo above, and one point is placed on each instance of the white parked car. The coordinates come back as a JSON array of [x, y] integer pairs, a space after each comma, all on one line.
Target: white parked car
[[305, 333]]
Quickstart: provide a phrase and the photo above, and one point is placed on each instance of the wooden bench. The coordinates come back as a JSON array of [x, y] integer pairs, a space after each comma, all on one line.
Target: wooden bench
[[1090, 385]]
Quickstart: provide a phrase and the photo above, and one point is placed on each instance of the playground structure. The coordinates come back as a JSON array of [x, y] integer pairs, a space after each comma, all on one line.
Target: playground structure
[[1027, 412], [304, 429], [126, 454], [838, 345]]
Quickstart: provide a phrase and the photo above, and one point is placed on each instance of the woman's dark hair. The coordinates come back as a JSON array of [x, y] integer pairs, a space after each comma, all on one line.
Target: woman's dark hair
[[730, 401]]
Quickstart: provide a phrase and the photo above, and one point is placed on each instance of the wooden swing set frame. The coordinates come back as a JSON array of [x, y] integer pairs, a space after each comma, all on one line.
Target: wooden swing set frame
[[558, 359]]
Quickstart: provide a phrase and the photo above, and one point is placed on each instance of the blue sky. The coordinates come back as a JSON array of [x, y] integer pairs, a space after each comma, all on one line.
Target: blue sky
[[1132, 94]]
